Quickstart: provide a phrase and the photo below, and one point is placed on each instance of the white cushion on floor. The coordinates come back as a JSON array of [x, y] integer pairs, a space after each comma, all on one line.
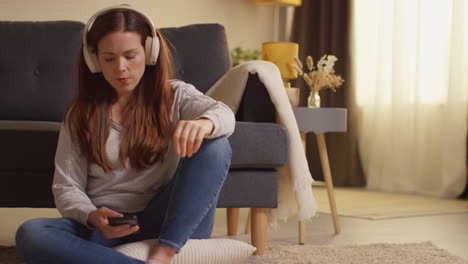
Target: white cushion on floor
[[196, 251]]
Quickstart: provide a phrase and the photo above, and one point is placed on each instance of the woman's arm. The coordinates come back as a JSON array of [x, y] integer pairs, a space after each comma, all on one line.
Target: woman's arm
[[69, 188], [189, 134], [200, 117], [70, 179], [194, 105]]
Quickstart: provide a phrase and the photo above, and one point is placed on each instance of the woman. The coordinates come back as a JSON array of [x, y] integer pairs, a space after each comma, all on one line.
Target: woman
[[133, 142]]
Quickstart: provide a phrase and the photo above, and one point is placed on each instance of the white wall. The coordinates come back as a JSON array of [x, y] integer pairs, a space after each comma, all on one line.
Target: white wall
[[246, 24]]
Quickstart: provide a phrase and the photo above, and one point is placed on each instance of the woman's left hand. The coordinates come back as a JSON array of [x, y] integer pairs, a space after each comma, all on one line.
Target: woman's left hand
[[189, 134]]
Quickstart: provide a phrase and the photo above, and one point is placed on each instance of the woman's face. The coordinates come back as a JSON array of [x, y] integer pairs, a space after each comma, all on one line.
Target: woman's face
[[122, 60]]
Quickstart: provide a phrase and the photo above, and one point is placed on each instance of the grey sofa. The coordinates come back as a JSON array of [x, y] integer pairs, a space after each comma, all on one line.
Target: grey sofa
[[37, 81]]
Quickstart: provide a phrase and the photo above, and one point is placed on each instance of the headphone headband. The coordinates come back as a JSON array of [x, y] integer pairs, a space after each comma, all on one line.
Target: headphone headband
[[151, 43]]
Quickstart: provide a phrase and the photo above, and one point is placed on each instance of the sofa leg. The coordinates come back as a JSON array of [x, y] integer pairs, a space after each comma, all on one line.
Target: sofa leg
[[259, 222], [247, 222], [232, 220]]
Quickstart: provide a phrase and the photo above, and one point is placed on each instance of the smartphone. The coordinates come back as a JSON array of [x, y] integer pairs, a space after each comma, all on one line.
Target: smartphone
[[130, 219]]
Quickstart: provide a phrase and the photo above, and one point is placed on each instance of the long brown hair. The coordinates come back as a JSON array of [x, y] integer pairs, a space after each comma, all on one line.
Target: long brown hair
[[147, 125]]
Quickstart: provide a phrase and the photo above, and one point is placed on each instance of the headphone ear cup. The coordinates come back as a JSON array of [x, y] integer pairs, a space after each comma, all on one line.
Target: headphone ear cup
[[148, 50], [91, 60], [95, 63], [151, 50]]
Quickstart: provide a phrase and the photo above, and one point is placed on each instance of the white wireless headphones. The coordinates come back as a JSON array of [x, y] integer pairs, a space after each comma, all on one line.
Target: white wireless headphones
[[151, 43]]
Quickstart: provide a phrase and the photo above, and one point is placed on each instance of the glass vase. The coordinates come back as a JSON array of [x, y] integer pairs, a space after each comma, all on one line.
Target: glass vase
[[313, 100]]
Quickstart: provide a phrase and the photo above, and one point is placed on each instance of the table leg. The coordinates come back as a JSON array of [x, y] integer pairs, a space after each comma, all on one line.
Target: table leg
[[302, 231], [328, 179]]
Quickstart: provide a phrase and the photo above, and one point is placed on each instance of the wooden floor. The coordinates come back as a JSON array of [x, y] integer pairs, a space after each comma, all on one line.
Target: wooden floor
[[449, 231]]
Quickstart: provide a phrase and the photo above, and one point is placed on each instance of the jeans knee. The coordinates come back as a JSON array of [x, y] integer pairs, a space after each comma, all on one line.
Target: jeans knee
[[34, 230], [29, 227], [218, 148], [27, 231]]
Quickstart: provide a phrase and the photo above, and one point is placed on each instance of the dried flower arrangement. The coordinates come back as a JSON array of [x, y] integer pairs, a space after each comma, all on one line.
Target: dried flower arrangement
[[320, 77]]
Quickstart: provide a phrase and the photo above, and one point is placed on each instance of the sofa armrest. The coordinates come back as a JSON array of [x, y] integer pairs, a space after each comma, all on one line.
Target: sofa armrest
[[258, 145]]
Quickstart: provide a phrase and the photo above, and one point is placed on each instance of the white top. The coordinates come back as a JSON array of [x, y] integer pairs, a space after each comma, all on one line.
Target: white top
[[80, 188]]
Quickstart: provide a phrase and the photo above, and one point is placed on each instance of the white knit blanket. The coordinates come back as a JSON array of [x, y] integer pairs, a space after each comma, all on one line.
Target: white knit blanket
[[295, 182]]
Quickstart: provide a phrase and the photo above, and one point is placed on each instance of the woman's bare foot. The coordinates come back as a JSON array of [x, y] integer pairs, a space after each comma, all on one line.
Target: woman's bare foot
[[161, 255]]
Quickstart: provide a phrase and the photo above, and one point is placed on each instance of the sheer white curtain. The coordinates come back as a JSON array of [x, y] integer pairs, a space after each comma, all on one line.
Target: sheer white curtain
[[409, 69]]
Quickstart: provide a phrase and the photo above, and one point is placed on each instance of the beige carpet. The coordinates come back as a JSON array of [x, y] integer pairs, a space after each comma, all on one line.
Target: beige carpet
[[362, 203], [414, 253]]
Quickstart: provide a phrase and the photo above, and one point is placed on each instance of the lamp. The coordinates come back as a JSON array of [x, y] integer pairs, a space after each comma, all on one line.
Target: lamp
[[282, 54], [277, 4], [282, 3]]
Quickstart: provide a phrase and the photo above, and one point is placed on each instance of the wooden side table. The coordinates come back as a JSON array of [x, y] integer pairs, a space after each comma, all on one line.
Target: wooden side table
[[320, 121]]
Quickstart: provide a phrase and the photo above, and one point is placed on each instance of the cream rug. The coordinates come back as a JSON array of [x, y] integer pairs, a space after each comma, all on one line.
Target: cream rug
[[362, 203], [414, 253]]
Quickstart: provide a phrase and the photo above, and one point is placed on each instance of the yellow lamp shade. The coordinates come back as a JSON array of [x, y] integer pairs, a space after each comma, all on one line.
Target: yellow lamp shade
[[279, 2], [282, 54]]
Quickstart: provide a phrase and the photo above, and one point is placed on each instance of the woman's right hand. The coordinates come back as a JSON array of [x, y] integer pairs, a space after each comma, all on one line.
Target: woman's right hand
[[98, 219]]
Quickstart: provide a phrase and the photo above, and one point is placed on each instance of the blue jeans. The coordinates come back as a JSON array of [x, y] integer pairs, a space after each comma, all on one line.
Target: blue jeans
[[183, 209]]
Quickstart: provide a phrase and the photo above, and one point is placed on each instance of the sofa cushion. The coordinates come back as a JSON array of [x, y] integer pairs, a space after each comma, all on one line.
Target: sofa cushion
[[28, 145], [258, 145], [201, 54], [27, 163], [37, 68], [195, 251]]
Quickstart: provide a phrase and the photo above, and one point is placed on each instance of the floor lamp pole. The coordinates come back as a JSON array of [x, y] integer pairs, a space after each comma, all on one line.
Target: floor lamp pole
[[276, 24]]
